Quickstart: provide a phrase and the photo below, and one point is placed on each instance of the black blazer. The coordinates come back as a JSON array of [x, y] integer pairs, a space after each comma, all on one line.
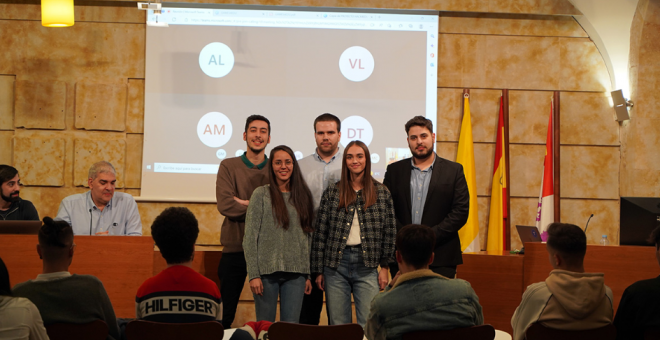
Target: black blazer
[[446, 208]]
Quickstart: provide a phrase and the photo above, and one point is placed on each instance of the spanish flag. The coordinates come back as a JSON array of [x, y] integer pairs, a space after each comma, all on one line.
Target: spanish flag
[[469, 234], [498, 212]]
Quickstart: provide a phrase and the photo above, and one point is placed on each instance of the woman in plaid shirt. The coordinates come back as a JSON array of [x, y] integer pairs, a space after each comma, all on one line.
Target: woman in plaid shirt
[[355, 232]]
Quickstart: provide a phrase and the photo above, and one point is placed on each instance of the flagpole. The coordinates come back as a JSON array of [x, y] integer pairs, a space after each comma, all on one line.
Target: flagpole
[[556, 154], [505, 110]]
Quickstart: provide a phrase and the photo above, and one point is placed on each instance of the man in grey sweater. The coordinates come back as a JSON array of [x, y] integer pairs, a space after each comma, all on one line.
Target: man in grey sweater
[[60, 296]]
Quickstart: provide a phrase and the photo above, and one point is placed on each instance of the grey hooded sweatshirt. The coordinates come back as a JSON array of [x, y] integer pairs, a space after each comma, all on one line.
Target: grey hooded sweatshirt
[[566, 300]]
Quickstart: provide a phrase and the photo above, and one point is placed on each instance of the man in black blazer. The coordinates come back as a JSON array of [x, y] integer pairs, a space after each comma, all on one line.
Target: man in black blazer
[[431, 191]]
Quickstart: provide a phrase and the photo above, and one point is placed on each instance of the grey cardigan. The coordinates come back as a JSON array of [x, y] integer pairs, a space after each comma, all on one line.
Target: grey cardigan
[[268, 247]]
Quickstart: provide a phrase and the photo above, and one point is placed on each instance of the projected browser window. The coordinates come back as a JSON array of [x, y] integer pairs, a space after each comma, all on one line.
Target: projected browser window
[[212, 68]]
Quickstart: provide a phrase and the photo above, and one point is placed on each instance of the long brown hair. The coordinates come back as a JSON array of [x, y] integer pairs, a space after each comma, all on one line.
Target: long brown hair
[[346, 193], [301, 196]]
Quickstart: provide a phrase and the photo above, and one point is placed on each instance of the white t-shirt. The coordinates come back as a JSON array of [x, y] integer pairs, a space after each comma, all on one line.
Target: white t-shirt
[[20, 320], [354, 235]]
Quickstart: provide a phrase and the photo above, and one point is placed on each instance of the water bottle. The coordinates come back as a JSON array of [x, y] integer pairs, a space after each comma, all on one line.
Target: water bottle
[[604, 241]]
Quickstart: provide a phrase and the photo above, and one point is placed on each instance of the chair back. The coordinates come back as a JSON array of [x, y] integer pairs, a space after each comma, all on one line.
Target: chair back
[[483, 332], [95, 330], [652, 333], [539, 332], [294, 331], [147, 330]]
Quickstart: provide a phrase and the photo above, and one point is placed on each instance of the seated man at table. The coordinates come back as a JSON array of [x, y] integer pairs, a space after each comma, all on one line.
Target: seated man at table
[[569, 299], [12, 207], [417, 298], [178, 294], [101, 210], [60, 296], [639, 308]]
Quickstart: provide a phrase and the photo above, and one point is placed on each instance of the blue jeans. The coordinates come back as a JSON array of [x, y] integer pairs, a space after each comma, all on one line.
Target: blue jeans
[[352, 276], [290, 287]]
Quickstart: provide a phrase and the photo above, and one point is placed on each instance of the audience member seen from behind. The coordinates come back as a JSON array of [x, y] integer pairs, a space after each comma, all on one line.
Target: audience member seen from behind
[[417, 298], [60, 296], [639, 308], [355, 230], [569, 299], [12, 207], [178, 294], [19, 318], [278, 238], [101, 210]]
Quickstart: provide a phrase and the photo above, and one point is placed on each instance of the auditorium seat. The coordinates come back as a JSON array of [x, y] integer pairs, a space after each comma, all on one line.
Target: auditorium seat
[[539, 332], [483, 332], [147, 330], [652, 333], [294, 331], [95, 330]]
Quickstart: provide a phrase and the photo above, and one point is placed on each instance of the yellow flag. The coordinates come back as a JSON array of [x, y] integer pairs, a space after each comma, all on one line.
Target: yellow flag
[[469, 234]]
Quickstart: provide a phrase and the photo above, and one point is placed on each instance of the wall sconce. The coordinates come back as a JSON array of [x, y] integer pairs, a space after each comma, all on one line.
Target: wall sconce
[[57, 13], [621, 105]]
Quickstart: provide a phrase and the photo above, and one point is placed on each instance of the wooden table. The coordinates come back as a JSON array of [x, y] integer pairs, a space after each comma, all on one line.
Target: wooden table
[[497, 278], [122, 263]]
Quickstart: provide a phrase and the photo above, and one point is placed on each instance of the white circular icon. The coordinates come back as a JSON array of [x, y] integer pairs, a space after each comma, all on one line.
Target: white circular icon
[[214, 129], [216, 60], [298, 154], [375, 158], [356, 127], [356, 63], [222, 153], [239, 153]]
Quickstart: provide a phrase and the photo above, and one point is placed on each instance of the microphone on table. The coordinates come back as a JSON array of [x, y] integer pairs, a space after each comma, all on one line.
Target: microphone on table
[[587, 226], [90, 221]]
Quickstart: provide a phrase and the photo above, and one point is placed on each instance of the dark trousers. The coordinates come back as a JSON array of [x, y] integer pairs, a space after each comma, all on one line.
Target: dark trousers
[[232, 272], [310, 314], [448, 271]]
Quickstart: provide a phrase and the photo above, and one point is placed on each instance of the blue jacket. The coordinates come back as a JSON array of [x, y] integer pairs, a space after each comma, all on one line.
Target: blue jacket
[[422, 300]]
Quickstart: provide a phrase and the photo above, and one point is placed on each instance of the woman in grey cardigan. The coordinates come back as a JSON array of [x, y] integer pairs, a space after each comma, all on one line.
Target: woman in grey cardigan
[[278, 237]]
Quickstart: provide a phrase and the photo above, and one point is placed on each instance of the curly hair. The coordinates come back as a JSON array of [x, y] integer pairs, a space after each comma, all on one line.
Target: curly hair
[[175, 231]]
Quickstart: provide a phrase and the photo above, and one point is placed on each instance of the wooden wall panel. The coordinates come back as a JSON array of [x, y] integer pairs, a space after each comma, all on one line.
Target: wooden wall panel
[[133, 160], [207, 215], [7, 102], [523, 212], [6, 149], [604, 222], [41, 161], [90, 151], [529, 114], [579, 110], [526, 163], [590, 172], [450, 114], [510, 24], [40, 104], [135, 106], [100, 106]]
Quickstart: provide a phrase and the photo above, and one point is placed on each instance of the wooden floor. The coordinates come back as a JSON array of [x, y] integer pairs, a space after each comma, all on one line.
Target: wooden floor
[[499, 279]]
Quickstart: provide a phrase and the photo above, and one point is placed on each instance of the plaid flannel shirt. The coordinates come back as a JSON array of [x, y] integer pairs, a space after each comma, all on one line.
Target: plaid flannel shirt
[[377, 229]]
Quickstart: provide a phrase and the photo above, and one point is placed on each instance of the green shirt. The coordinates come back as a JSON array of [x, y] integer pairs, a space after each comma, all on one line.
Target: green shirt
[[268, 247]]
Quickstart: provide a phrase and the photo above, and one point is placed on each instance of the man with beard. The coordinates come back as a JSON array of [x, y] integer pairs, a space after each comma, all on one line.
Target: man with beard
[[430, 191], [101, 210], [12, 207], [237, 178], [320, 169]]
